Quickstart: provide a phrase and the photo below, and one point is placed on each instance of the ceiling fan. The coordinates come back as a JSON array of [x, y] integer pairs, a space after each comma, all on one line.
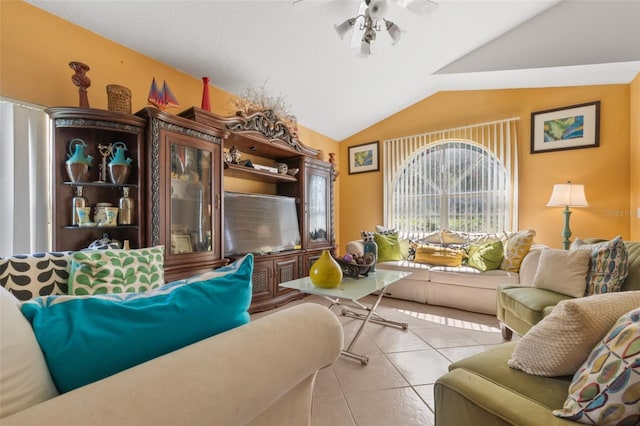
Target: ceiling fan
[[370, 17]]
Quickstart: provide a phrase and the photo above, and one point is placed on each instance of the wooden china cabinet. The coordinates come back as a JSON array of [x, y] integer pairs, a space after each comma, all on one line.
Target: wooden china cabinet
[[176, 188], [184, 186], [262, 135], [96, 129]]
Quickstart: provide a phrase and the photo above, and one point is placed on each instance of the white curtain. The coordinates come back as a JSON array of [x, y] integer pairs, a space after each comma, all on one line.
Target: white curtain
[[25, 185], [498, 137]]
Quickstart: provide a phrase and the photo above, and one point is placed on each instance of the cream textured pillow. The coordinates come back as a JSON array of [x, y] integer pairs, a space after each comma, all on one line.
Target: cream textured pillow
[[563, 271], [562, 341], [516, 248], [24, 375]]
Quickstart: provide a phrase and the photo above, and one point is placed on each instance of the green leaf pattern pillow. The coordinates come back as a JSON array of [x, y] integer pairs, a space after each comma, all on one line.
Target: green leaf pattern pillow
[[116, 271]]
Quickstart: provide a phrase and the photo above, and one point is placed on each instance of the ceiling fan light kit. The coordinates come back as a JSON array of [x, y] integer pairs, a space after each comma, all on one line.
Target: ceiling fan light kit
[[375, 11]]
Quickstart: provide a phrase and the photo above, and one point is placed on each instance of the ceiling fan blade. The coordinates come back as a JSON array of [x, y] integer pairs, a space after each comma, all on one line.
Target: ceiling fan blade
[[358, 31], [422, 8]]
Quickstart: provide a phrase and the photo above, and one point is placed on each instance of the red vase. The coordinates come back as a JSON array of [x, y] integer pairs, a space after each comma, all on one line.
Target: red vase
[[205, 95]]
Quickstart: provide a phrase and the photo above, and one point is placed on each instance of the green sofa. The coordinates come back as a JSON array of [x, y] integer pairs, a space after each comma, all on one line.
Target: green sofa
[[520, 307], [484, 390]]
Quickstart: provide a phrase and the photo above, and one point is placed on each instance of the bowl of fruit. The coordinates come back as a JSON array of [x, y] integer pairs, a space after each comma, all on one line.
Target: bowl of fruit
[[354, 265]]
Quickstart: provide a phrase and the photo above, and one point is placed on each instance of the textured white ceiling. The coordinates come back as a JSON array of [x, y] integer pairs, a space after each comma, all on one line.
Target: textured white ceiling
[[463, 45]]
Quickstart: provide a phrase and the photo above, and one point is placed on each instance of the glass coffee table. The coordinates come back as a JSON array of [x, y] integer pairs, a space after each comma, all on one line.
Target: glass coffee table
[[352, 290]]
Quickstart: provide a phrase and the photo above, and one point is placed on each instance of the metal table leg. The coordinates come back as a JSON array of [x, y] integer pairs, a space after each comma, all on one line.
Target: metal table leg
[[370, 315]]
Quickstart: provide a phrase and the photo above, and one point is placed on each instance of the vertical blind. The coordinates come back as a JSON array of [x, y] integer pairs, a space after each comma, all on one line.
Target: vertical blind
[[457, 177], [25, 185]]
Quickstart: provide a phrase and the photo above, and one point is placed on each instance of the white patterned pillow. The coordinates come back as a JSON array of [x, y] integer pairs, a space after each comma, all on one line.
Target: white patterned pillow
[[560, 343], [516, 248], [116, 271], [606, 388], [609, 265], [36, 274]]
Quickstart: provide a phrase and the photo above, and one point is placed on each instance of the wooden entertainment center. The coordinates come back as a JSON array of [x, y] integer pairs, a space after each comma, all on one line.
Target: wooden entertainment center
[[177, 188]]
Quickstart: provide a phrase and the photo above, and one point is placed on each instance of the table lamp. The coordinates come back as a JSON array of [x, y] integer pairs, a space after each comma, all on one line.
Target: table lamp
[[567, 195]]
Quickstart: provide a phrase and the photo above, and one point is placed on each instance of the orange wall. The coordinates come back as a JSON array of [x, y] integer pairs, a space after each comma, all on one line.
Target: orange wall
[[634, 199], [605, 171], [36, 48]]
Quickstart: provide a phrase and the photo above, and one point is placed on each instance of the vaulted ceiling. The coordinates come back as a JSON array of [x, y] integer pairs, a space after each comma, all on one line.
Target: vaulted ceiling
[[292, 50]]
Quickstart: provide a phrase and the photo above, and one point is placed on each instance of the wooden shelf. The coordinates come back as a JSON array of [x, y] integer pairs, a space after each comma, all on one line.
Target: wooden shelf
[[102, 184], [236, 170], [101, 227]]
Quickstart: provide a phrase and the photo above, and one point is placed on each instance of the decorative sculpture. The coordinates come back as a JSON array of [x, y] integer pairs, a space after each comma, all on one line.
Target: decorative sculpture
[[81, 80]]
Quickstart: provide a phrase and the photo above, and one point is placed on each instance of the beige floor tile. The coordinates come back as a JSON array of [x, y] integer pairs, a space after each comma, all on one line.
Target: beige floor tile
[[378, 374], [491, 337], [420, 367], [393, 339], [400, 406], [456, 354], [326, 383], [330, 410], [444, 337], [396, 387], [364, 346], [426, 393]]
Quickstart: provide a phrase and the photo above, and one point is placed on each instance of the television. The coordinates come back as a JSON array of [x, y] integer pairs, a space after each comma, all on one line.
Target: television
[[258, 223]]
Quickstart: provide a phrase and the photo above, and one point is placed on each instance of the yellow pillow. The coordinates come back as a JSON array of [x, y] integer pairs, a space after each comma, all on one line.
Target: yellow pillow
[[442, 256], [516, 248]]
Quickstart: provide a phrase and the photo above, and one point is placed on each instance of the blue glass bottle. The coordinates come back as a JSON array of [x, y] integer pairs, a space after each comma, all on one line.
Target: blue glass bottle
[[370, 246]]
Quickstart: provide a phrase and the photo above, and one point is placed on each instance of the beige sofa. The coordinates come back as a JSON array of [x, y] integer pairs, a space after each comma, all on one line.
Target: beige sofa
[[260, 373], [460, 287]]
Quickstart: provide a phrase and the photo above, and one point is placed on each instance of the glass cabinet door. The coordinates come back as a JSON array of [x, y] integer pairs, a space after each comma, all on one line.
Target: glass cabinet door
[[318, 208], [190, 213]]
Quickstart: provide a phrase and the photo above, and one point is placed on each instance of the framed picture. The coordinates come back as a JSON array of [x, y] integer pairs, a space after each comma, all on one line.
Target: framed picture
[[364, 158], [181, 243], [572, 127]]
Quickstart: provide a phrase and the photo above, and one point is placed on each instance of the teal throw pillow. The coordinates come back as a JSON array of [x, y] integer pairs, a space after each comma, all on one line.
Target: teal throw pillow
[[116, 271], [609, 265], [486, 257], [606, 388], [388, 247], [87, 338]]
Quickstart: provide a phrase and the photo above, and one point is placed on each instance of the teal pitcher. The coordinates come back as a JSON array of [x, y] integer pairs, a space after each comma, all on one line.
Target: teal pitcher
[[119, 166], [78, 162]]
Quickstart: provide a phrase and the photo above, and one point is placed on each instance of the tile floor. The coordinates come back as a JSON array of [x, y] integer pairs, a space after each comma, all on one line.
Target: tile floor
[[396, 387]]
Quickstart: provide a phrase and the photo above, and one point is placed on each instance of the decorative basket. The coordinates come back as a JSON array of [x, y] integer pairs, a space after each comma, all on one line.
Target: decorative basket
[[119, 98], [353, 270]]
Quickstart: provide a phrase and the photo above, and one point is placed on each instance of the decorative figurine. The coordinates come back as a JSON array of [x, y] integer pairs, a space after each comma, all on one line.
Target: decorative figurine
[[163, 98], [235, 155], [81, 81], [105, 151]]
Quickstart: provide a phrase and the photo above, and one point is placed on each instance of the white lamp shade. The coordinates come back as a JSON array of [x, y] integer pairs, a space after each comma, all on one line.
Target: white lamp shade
[[568, 194], [394, 31], [365, 49], [377, 9], [343, 28]]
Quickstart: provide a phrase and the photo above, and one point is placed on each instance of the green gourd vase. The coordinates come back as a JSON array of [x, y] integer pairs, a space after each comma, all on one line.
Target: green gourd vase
[[325, 272]]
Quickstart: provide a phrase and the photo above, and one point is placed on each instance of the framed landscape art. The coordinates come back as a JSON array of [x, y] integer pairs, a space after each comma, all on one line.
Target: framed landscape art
[[573, 127], [364, 158]]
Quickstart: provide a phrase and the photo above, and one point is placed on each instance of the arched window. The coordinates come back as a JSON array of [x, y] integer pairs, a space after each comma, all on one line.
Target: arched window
[[463, 179], [454, 185]]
